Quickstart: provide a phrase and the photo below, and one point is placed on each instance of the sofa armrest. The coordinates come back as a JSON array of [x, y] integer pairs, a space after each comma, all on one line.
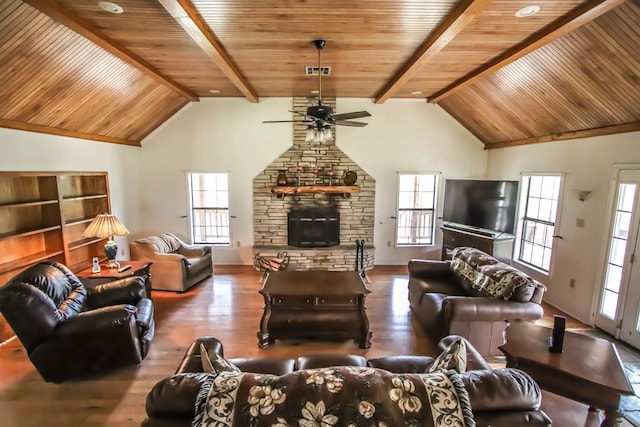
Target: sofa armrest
[[93, 321], [191, 251], [144, 314], [503, 389], [424, 268], [129, 290], [175, 396], [488, 309]]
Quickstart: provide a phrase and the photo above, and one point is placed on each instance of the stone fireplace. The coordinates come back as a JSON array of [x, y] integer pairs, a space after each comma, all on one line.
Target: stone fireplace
[[332, 222]]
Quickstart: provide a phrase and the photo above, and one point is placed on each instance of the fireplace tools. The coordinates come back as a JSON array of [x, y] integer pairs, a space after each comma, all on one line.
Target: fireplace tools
[[360, 258]]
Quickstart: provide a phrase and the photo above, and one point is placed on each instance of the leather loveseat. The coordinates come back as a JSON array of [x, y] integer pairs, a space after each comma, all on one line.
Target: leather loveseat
[[70, 331], [474, 295], [176, 266], [498, 398]]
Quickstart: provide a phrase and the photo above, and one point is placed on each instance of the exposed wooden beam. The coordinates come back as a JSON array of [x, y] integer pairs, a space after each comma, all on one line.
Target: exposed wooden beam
[[56, 12], [570, 22], [448, 29], [564, 136], [188, 17], [13, 124]]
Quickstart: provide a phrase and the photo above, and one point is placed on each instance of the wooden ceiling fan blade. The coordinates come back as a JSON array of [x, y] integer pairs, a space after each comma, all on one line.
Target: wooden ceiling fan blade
[[353, 124], [287, 121], [354, 115]]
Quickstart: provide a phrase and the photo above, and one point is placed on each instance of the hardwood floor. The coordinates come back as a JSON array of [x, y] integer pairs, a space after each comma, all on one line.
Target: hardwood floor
[[228, 307]]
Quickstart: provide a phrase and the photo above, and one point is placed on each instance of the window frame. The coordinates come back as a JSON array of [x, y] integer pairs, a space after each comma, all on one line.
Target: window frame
[[433, 210], [522, 218], [192, 209]]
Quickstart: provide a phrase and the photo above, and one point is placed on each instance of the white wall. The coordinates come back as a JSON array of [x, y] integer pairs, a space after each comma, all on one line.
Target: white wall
[[587, 164], [226, 134], [29, 151]]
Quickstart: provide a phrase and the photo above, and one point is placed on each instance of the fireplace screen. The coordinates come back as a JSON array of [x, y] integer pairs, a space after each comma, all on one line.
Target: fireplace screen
[[314, 227]]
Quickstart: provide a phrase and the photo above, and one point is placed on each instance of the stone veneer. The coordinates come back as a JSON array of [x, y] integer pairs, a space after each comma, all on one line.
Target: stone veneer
[[356, 211]]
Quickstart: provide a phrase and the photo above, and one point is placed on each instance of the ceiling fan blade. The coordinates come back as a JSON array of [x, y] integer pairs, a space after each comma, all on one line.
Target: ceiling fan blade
[[287, 121], [353, 124], [354, 115]]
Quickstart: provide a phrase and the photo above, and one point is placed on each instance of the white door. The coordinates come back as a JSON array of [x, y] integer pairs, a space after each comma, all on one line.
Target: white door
[[619, 307]]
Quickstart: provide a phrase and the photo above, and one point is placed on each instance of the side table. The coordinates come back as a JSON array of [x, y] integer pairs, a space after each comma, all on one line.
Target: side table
[[589, 369], [138, 268]]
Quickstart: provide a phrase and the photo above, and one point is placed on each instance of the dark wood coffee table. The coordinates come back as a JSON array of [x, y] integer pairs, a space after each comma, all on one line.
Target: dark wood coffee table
[[589, 370], [314, 304]]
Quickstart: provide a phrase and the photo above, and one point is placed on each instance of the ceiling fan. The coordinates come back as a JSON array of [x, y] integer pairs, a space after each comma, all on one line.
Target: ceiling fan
[[320, 117]]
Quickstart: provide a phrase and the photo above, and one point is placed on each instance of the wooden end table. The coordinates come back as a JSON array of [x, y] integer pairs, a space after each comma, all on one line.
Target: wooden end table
[[588, 370], [314, 304], [138, 268]]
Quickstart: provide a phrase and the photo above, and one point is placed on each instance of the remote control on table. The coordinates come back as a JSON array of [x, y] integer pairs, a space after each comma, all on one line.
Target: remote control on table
[[123, 269]]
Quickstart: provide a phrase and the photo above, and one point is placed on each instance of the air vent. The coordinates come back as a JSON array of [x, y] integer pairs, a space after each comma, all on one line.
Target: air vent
[[313, 70]]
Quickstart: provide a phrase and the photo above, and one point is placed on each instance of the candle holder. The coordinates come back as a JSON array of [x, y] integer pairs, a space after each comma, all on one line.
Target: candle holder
[[315, 174], [330, 172]]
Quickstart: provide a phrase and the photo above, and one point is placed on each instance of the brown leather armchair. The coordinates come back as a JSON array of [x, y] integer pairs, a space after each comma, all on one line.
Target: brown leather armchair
[[176, 265], [70, 331]]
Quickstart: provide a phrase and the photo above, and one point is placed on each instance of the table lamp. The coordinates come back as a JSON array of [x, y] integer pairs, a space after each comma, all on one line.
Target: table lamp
[[105, 226]]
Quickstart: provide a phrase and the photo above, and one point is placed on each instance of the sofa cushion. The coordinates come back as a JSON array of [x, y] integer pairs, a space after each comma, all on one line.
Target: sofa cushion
[[453, 357], [490, 277], [214, 363]]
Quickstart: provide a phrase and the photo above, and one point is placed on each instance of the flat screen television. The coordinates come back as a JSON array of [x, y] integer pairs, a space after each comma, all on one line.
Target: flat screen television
[[481, 204]]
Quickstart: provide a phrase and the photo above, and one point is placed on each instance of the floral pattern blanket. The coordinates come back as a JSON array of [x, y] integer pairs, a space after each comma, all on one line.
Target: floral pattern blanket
[[337, 396]]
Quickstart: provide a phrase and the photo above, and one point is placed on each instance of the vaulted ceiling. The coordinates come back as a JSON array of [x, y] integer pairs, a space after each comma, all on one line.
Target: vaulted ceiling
[[572, 70]]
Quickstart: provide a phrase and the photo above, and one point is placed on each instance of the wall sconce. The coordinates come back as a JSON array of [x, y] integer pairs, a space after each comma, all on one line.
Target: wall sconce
[[582, 195]]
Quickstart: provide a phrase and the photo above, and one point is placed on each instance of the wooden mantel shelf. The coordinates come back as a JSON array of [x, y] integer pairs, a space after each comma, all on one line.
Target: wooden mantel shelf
[[283, 190]]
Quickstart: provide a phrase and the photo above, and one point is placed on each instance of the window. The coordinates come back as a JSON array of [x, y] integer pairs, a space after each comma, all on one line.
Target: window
[[209, 208], [416, 205], [540, 197]]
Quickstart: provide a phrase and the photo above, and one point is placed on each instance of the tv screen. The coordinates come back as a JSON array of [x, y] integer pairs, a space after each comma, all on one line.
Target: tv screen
[[481, 204]]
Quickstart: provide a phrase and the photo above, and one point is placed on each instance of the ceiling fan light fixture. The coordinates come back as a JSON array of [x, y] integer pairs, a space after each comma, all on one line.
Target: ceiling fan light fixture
[[528, 11]]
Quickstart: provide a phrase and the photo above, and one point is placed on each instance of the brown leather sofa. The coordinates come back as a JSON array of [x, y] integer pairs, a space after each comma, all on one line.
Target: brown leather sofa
[[176, 266], [70, 331], [499, 398], [474, 295]]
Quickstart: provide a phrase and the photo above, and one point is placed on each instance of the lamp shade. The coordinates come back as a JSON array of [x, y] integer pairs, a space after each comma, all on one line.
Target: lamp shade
[[105, 226]]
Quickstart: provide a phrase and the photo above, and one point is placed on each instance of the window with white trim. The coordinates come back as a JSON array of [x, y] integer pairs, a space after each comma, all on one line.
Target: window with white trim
[[415, 221], [209, 194], [539, 207]]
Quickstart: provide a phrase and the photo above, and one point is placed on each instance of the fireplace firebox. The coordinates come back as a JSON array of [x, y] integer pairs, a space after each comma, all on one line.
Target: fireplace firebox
[[313, 227]]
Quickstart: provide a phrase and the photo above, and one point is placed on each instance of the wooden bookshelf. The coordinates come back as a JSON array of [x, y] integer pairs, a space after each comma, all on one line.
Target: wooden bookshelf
[[43, 216]]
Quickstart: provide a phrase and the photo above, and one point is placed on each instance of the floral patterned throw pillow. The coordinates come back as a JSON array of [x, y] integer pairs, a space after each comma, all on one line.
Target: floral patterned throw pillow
[[214, 363], [454, 357]]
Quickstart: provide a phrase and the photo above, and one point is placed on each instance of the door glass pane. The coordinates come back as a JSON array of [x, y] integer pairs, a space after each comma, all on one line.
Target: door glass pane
[[617, 249], [609, 303]]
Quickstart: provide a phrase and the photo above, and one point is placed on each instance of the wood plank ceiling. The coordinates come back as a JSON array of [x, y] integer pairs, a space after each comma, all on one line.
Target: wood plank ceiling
[[68, 67]]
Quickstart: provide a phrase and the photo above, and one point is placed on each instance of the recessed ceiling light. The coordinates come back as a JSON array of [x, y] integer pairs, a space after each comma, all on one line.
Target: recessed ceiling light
[[315, 91], [416, 92], [528, 11], [110, 7], [214, 91]]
